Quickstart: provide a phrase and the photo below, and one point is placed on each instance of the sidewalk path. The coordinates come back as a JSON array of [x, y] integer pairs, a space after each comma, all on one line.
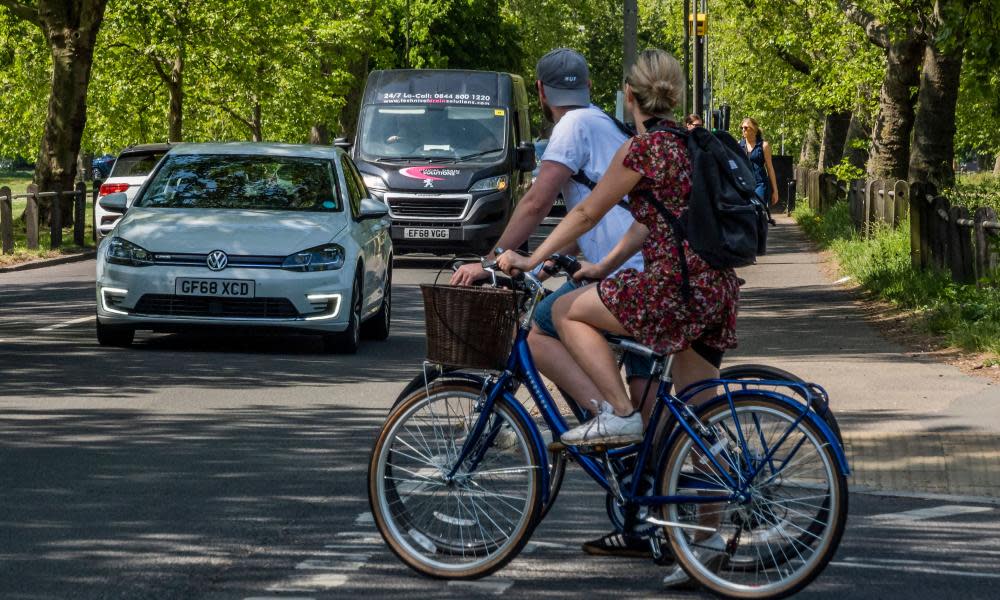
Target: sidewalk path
[[910, 423]]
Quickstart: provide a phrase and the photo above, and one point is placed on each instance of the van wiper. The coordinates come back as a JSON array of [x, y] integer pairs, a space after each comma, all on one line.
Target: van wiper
[[478, 154], [420, 158]]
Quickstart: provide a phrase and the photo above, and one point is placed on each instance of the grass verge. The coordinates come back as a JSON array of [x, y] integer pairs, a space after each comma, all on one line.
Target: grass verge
[[965, 316]]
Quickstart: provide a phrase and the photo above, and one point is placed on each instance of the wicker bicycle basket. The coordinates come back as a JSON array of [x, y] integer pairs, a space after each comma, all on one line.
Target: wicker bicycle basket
[[469, 326]]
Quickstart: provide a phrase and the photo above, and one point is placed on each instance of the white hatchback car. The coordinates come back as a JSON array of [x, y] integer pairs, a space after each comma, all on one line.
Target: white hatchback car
[[129, 172], [248, 235]]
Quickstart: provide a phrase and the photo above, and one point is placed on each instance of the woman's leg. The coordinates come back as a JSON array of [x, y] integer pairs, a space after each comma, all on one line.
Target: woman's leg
[[581, 320]]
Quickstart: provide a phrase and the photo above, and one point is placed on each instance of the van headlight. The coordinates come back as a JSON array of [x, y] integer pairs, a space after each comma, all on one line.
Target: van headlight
[[491, 184], [320, 258], [123, 252], [374, 182]]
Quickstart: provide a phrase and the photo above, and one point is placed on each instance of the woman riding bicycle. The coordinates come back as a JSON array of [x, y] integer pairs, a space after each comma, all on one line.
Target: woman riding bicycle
[[658, 306]]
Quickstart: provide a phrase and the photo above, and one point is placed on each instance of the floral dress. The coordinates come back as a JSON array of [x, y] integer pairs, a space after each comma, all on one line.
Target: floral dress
[[650, 304]]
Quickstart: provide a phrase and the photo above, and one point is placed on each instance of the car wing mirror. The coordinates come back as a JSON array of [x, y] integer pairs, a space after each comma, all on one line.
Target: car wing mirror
[[117, 202], [526, 157], [372, 209]]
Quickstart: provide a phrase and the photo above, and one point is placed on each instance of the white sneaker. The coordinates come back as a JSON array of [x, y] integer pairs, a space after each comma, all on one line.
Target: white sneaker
[[605, 428], [710, 552]]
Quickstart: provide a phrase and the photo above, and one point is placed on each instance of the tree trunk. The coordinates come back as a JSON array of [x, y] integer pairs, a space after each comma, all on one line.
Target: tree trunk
[[175, 86], [933, 153], [859, 136], [256, 127], [809, 156], [348, 119], [831, 149], [71, 30], [996, 165], [319, 134], [890, 148]]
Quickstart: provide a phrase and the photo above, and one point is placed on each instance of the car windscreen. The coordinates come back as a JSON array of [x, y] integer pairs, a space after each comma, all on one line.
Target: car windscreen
[[135, 165], [426, 131], [242, 182]]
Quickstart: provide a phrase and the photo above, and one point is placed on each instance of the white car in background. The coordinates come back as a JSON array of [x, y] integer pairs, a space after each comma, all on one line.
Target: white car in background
[[248, 236], [127, 175]]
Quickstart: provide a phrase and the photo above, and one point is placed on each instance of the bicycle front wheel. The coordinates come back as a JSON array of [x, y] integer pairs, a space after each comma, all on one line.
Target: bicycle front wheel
[[785, 532], [461, 527]]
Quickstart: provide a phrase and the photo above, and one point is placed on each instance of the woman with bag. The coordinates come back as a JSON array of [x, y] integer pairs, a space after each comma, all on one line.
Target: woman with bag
[[651, 169]]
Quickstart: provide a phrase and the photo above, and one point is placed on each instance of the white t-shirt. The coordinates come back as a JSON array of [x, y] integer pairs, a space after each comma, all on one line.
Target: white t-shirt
[[586, 138]]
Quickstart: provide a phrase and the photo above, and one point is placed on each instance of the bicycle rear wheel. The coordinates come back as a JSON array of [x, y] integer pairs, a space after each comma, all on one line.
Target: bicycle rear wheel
[[786, 532], [472, 524]]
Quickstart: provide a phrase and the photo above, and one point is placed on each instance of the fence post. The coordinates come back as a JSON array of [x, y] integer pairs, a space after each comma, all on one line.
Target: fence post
[[814, 191], [31, 217], [6, 221], [918, 257], [55, 221], [941, 208], [790, 206], [959, 245], [93, 203], [79, 212], [983, 265], [902, 190]]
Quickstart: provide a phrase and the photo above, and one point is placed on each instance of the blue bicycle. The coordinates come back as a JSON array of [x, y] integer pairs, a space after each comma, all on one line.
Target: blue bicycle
[[748, 488]]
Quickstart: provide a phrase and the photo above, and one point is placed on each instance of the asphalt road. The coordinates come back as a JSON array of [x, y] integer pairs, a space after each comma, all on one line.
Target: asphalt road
[[203, 466]]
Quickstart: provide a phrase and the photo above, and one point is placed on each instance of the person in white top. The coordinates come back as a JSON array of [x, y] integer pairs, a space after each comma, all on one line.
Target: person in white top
[[584, 140]]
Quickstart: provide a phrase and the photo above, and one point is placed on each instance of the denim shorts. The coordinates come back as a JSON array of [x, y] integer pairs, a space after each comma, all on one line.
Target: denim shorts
[[635, 365]]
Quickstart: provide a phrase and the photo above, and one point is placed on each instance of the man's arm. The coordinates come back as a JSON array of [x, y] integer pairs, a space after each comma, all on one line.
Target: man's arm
[[530, 211]]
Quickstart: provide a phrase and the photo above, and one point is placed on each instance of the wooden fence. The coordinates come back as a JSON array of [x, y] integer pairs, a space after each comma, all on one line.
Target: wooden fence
[[78, 196], [965, 242]]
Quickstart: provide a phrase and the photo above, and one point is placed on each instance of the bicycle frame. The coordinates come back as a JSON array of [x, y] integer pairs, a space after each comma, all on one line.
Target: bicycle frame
[[520, 367]]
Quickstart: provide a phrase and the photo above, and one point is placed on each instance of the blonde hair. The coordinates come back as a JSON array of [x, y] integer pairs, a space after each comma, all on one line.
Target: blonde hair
[[760, 132], [657, 82]]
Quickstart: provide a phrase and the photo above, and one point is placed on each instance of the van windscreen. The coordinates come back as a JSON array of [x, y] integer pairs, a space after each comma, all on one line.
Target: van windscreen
[[443, 132]]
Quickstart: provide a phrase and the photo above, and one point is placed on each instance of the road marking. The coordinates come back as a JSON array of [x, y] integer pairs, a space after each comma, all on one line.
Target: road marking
[[532, 546], [933, 513], [67, 323], [332, 565], [871, 564], [311, 583], [495, 587], [364, 518]]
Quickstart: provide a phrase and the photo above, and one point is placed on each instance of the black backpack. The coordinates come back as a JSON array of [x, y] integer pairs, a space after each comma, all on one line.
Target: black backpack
[[725, 223]]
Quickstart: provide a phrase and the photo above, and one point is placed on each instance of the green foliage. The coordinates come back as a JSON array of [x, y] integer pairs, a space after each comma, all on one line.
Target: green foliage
[[966, 316], [845, 171], [975, 191]]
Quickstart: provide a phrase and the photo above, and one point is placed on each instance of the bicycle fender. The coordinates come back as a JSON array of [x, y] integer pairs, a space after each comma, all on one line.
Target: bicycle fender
[[791, 404], [418, 382], [536, 438]]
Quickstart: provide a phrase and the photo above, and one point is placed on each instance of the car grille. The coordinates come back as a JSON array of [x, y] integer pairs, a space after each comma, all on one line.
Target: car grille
[[198, 260], [427, 207], [208, 306]]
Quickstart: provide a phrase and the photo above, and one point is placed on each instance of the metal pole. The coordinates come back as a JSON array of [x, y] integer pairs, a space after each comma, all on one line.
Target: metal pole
[[699, 69], [630, 30], [687, 54]]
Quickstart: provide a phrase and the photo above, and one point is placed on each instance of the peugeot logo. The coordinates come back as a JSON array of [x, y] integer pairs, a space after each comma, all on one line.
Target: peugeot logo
[[217, 260]]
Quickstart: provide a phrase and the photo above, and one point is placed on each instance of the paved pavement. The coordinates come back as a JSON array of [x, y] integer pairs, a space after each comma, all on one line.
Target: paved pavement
[[910, 423], [202, 466]]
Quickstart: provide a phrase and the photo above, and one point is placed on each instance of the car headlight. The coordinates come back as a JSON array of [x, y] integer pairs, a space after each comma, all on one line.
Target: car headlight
[[123, 252], [490, 184], [374, 182], [320, 258]]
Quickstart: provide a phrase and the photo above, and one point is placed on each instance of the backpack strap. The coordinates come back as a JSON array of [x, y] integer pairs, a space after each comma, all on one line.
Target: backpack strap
[[675, 224], [581, 177], [680, 236]]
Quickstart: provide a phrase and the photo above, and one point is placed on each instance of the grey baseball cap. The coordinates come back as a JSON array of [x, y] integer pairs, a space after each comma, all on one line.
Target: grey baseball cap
[[565, 77]]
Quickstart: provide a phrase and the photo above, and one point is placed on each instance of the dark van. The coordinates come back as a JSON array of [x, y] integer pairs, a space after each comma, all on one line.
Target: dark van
[[448, 151]]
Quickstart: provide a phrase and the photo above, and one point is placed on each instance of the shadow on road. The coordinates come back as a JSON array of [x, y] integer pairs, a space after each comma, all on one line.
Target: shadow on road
[[70, 363]]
